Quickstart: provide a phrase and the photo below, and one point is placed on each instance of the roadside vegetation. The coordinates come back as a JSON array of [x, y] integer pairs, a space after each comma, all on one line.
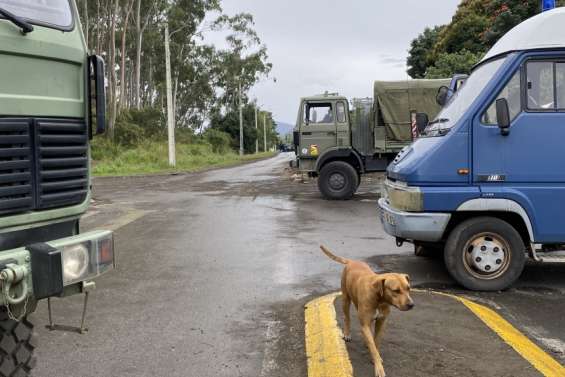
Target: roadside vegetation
[[209, 82], [444, 50]]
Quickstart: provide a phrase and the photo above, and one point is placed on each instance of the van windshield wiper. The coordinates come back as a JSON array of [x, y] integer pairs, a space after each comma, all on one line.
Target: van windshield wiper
[[24, 25], [440, 120]]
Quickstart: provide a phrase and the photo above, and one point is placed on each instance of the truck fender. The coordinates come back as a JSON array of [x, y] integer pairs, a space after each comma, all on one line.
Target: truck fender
[[337, 153], [501, 205]]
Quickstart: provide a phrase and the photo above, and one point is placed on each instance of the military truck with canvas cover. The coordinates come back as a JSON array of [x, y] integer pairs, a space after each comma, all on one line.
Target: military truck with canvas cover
[[338, 145], [52, 102]]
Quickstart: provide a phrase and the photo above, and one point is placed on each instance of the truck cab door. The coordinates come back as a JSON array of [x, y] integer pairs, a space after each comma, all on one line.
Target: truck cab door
[[527, 164], [342, 124], [318, 130]]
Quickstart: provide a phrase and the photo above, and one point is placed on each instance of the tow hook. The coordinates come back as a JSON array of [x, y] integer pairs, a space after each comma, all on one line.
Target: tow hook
[[399, 242], [11, 276]]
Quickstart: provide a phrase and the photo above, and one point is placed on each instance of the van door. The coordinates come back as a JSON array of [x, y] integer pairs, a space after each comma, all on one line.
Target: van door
[[527, 165], [318, 128]]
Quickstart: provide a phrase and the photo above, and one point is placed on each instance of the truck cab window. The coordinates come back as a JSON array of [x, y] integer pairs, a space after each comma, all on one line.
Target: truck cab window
[[51, 12], [319, 113], [340, 108], [512, 94], [540, 81], [560, 85]]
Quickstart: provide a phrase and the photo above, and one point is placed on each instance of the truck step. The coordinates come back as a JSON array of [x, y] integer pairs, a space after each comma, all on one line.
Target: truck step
[[551, 257]]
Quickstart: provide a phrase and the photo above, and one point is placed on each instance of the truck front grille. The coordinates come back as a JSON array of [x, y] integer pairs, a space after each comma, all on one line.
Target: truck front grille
[[43, 164], [16, 190], [62, 163]]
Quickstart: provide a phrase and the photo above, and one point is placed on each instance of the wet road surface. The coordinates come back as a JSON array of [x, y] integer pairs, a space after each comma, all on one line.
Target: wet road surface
[[214, 270]]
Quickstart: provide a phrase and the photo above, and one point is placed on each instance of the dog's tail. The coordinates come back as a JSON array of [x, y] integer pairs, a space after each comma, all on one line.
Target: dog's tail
[[334, 257]]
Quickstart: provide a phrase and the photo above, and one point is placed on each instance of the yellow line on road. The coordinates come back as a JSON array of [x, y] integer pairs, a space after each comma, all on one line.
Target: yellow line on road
[[325, 349], [542, 361]]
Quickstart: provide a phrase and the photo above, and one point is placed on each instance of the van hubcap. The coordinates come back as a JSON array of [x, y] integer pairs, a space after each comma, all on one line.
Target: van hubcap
[[486, 256], [337, 181]]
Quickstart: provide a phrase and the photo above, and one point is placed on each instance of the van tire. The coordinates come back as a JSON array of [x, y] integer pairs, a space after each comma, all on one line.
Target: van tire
[[338, 180], [477, 243], [17, 345]]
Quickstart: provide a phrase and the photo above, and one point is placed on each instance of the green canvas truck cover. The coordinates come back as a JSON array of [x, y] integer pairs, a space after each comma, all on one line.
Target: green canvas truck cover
[[395, 100]]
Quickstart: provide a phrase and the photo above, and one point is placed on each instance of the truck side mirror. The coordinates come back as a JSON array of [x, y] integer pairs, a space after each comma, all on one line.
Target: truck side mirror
[[503, 116], [97, 93], [422, 121], [442, 96]]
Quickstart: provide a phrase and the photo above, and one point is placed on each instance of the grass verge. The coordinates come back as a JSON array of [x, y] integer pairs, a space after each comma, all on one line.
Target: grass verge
[[152, 157]]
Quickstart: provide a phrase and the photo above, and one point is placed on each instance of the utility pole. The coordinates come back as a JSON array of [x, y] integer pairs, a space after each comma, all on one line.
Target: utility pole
[[256, 127], [170, 112], [265, 132], [240, 121]]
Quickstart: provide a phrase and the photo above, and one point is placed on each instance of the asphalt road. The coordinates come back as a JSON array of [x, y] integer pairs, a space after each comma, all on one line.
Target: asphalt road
[[215, 268]]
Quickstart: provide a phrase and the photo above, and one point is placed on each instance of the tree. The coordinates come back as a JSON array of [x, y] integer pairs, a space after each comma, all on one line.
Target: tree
[[446, 65], [419, 55]]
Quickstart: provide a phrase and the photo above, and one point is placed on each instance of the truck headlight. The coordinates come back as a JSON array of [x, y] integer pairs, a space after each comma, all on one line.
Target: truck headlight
[[87, 259], [403, 197]]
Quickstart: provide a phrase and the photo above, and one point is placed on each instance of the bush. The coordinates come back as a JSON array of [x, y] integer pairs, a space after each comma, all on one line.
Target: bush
[[220, 141]]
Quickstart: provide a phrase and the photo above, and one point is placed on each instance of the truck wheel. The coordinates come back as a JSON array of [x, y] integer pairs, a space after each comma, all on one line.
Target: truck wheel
[[485, 254], [17, 344], [338, 181]]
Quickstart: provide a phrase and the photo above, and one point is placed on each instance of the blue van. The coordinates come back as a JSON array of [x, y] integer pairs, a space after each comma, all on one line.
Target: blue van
[[486, 182]]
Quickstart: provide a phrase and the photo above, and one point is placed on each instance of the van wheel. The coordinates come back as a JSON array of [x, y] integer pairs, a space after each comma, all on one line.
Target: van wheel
[[485, 254], [338, 181], [17, 344]]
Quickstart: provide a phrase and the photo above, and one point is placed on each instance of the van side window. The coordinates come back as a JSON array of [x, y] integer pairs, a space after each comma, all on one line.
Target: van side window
[[319, 113], [560, 85], [540, 81], [340, 108], [512, 94]]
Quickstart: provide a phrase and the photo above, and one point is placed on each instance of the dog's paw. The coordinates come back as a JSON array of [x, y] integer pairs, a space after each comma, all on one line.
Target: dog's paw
[[347, 338], [380, 372]]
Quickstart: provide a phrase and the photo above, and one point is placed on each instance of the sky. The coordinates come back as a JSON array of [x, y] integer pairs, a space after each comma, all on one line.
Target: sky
[[336, 46]]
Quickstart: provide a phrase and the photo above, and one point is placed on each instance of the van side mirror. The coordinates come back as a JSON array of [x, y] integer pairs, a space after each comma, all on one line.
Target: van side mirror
[[97, 93], [422, 121], [503, 116], [442, 96]]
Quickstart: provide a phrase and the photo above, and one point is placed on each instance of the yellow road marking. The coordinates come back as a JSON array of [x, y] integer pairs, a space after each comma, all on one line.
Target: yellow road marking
[[325, 349], [327, 354], [542, 361]]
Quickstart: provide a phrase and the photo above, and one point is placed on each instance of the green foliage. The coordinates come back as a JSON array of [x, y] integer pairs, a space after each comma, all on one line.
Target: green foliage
[[447, 65], [152, 157], [476, 26], [419, 56], [220, 141]]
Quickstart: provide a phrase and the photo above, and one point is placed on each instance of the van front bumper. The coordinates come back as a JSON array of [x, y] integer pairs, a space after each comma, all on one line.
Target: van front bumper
[[416, 226]]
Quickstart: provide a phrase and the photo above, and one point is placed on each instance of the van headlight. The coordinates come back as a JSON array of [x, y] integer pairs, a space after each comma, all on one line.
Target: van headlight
[[403, 197], [87, 259]]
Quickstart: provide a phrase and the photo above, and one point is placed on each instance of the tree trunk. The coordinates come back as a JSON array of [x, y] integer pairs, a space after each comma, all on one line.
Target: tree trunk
[[122, 103], [139, 34], [112, 77], [86, 25]]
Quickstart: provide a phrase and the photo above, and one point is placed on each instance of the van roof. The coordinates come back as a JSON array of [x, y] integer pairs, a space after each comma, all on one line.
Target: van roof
[[542, 31]]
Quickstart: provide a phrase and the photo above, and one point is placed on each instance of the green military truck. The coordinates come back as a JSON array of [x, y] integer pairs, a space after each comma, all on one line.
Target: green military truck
[[52, 101], [338, 145]]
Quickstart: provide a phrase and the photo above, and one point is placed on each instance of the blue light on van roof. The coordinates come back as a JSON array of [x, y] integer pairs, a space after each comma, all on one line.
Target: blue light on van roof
[[547, 5]]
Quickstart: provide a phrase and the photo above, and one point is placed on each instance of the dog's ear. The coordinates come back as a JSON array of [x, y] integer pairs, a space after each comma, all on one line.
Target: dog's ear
[[379, 285], [407, 277]]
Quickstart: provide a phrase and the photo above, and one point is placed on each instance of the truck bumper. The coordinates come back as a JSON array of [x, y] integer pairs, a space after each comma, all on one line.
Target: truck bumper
[[417, 226]]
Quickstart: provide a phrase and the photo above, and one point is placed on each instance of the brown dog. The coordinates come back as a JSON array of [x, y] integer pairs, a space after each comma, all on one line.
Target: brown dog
[[373, 295]]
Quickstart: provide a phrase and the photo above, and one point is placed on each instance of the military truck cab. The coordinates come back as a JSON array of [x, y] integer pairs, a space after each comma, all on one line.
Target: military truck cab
[[486, 183], [52, 103], [338, 144]]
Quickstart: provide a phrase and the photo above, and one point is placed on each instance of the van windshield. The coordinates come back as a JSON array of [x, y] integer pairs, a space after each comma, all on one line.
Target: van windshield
[[463, 98], [55, 13]]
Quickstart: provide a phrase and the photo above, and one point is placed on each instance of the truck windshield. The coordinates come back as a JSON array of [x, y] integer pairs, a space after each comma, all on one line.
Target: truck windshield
[[54, 13], [463, 98]]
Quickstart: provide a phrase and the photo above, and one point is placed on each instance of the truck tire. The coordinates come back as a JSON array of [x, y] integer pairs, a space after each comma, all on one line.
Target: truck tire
[[485, 254], [338, 180], [17, 344]]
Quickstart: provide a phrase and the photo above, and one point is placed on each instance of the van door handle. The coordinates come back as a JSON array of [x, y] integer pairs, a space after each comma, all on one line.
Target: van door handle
[[306, 133]]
